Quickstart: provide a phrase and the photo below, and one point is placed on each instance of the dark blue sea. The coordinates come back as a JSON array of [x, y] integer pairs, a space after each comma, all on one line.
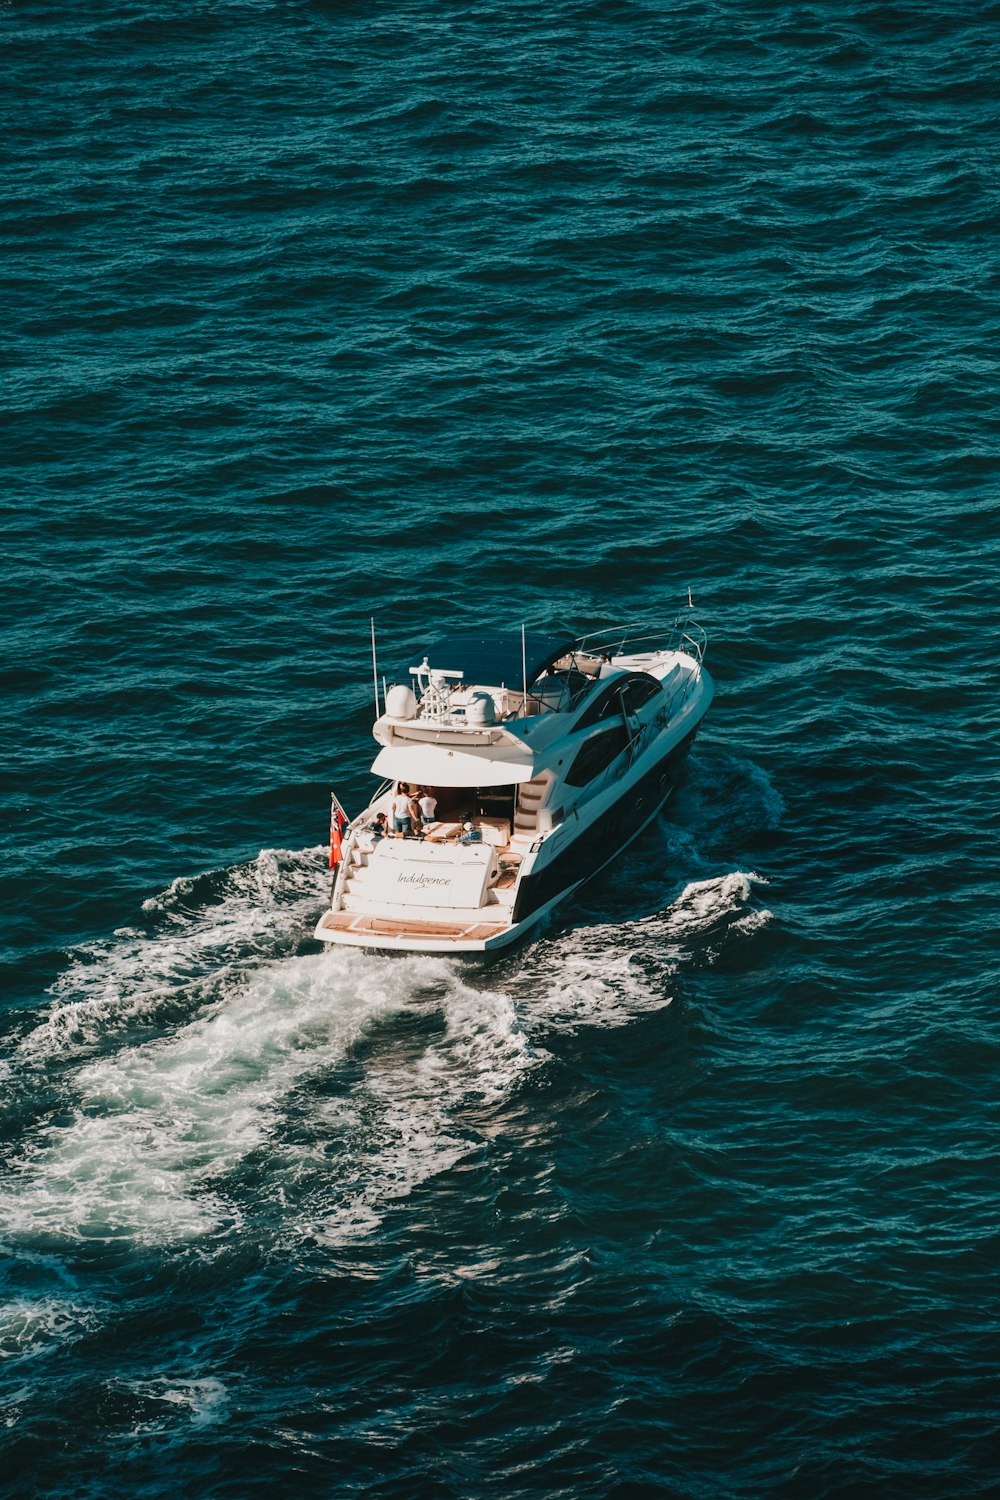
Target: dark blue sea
[[451, 314]]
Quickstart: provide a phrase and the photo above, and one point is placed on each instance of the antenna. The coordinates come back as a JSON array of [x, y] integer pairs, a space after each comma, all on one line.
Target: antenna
[[378, 711], [690, 600], [524, 671]]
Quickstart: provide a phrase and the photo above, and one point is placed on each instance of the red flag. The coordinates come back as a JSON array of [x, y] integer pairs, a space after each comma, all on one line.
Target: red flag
[[337, 825]]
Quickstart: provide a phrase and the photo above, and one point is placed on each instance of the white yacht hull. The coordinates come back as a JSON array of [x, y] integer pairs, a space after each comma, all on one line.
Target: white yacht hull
[[590, 840], [562, 776], [459, 937]]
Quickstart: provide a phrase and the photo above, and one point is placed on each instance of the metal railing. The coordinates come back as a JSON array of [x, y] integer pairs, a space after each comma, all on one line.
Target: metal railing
[[682, 634], [350, 849], [564, 690]]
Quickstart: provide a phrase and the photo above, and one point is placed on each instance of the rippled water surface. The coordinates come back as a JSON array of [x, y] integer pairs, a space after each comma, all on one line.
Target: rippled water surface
[[449, 314]]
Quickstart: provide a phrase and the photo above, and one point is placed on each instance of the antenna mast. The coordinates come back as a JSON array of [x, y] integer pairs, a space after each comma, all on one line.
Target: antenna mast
[[378, 711]]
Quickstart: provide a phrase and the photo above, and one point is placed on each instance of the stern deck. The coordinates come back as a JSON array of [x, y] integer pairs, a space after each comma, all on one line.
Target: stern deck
[[408, 929]]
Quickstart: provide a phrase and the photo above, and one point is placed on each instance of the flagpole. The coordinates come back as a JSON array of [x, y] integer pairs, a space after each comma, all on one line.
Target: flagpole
[[336, 807], [334, 869]]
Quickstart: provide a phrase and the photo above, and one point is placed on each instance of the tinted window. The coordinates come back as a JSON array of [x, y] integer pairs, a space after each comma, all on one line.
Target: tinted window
[[597, 754], [604, 706], [639, 690]]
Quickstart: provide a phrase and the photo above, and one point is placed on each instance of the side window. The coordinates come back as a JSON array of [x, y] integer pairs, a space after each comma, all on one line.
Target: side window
[[636, 689], [603, 707], [639, 690], [597, 754]]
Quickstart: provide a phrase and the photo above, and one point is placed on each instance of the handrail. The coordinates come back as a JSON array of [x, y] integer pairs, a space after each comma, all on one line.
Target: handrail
[[350, 844], [434, 704], [624, 640], [355, 823]]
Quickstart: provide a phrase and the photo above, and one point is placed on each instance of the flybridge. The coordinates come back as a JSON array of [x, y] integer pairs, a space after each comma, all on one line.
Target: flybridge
[[496, 659], [469, 683], [449, 734]]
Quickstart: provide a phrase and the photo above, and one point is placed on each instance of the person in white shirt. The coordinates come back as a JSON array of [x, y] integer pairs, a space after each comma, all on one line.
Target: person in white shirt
[[402, 825], [428, 806]]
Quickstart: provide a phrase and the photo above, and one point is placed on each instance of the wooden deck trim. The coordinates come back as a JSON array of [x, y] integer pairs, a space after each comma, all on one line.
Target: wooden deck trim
[[347, 921]]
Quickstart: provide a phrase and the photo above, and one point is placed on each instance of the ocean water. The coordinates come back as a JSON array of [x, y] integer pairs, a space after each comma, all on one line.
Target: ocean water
[[443, 314]]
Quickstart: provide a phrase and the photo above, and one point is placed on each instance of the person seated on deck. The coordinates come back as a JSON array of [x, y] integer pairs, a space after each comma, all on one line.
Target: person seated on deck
[[380, 828], [470, 834]]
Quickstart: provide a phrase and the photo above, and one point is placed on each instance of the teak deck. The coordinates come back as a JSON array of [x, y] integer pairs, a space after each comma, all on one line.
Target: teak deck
[[340, 921]]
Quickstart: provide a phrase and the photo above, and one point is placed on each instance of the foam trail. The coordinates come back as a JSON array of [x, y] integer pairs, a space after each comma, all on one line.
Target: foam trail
[[705, 904], [200, 1402], [151, 1146], [152, 1151], [609, 974], [158, 1126], [30, 1326], [405, 1123], [593, 983], [202, 931]]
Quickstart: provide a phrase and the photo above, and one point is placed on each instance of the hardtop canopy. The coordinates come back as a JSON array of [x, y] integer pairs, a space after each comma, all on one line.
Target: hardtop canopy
[[493, 658]]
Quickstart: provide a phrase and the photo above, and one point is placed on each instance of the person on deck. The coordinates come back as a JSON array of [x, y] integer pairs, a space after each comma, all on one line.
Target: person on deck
[[416, 821], [470, 834], [428, 807], [402, 825]]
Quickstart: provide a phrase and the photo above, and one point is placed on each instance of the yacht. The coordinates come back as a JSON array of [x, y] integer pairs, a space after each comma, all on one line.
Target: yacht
[[539, 757]]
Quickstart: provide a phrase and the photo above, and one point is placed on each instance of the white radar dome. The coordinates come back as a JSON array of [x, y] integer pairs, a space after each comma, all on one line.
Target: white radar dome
[[401, 702], [480, 709]]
